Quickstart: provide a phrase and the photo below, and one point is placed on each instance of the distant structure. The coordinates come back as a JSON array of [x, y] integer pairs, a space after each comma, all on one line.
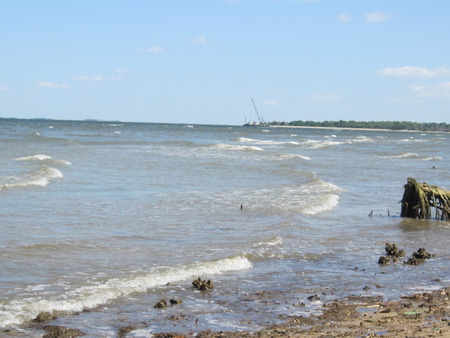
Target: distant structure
[[260, 121]]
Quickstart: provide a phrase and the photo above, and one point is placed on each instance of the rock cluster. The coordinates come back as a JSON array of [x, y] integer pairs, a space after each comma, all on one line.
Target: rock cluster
[[393, 253], [203, 285], [418, 257], [163, 303]]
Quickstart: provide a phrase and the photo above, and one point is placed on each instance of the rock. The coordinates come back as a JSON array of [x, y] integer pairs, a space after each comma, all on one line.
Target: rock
[[54, 331], [123, 330], [383, 260], [392, 250], [413, 261], [203, 285], [313, 298], [161, 304], [421, 254], [175, 301], [418, 257], [43, 317]]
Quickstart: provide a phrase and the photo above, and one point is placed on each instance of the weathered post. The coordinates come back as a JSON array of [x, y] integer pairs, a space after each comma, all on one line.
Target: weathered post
[[419, 199]]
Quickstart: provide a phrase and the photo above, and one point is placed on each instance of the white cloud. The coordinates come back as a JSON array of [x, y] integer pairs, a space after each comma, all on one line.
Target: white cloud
[[343, 18], [199, 40], [85, 78], [47, 84], [416, 71], [377, 17], [152, 49], [440, 90], [4, 88]]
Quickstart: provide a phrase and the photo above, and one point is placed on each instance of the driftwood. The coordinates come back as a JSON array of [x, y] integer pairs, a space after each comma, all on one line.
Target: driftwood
[[419, 199]]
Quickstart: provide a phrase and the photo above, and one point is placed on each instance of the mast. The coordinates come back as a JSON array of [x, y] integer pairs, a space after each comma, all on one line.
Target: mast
[[260, 119]]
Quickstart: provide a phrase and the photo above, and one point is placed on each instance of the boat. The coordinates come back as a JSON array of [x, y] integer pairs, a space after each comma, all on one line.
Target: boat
[[260, 121]]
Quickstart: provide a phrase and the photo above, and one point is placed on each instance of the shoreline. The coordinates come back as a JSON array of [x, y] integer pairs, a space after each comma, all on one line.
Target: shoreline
[[355, 129], [423, 314]]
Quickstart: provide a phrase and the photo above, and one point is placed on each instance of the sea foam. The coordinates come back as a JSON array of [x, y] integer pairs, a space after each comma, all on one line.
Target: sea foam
[[91, 296], [38, 178]]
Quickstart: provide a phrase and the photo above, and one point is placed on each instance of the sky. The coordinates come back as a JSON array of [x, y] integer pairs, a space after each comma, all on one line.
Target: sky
[[201, 61]]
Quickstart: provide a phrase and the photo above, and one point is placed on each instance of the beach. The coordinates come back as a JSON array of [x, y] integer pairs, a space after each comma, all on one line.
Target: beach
[[103, 220], [417, 315]]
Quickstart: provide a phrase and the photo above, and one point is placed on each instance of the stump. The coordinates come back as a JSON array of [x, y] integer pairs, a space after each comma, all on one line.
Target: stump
[[419, 199]]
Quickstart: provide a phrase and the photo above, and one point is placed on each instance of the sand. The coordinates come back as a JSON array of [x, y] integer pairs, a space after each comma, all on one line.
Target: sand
[[420, 315]]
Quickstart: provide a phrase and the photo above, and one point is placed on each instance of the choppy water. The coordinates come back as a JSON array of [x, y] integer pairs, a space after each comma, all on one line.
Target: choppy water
[[99, 221]]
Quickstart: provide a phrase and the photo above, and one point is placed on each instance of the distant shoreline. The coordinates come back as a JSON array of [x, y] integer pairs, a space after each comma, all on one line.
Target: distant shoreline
[[347, 128]]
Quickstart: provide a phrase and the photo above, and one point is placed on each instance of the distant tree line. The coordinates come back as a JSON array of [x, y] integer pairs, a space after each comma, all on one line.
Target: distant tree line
[[392, 125]]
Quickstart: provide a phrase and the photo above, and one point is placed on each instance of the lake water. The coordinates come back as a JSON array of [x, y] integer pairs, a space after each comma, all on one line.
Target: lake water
[[100, 221]]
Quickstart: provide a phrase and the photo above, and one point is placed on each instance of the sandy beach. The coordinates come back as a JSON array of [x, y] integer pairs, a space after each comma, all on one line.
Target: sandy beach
[[419, 315]]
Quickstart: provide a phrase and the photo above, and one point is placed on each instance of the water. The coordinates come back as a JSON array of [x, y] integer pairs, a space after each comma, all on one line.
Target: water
[[99, 221]]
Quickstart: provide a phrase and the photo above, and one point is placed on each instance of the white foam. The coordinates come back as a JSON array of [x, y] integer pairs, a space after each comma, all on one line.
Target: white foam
[[412, 156], [322, 144], [223, 146], [291, 156], [88, 297], [38, 157], [40, 177], [309, 198], [41, 158], [269, 142]]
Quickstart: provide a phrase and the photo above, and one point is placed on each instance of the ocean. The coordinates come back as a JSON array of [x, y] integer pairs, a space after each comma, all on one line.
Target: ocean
[[101, 220]]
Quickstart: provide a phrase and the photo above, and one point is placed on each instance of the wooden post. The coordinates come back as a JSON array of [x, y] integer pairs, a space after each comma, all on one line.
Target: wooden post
[[419, 199]]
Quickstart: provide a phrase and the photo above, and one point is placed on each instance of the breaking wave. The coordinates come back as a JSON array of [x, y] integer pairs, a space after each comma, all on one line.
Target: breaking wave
[[412, 156], [35, 178], [42, 158], [89, 297], [223, 146]]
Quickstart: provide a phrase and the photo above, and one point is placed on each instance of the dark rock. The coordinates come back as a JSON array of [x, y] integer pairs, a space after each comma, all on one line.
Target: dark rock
[[126, 329], [422, 254], [383, 260], [392, 250], [313, 298], [161, 304], [169, 335], [43, 317], [54, 331], [418, 257], [203, 285], [175, 301]]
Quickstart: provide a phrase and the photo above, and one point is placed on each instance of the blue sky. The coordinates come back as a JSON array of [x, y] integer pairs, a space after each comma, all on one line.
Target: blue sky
[[201, 61]]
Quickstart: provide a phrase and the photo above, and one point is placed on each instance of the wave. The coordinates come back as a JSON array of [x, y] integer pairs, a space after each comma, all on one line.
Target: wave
[[256, 141], [293, 156], [42, 158], [223, 146], [412, 156], [315, 144], [89, 297], [310, 197], [38, 178], [37, 137], [38, 157]]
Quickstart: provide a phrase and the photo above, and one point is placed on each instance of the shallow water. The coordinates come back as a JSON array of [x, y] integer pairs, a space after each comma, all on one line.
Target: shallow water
[[102, 220]]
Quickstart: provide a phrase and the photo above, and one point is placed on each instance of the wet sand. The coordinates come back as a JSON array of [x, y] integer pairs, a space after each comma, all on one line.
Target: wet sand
[[419, 315]]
